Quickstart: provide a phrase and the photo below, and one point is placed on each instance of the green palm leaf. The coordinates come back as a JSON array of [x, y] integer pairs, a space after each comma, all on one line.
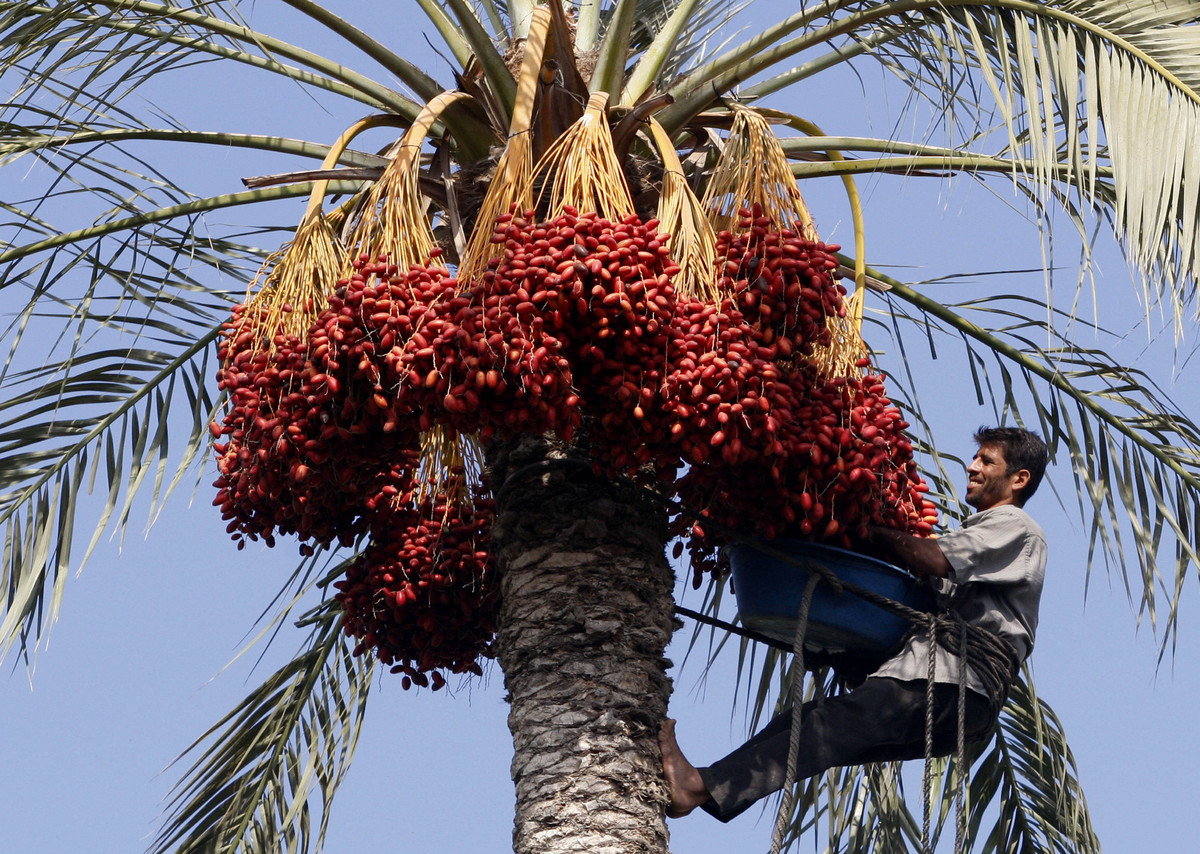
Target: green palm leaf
[[1049, 81], [1029, 779], [673, 37], [93, 55], [99, 414], [260, 771]]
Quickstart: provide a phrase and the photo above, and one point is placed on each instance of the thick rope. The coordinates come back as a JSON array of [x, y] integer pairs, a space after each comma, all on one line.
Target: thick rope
[[960, 755], [989, 656], [793, 760], [927, 776], [995, 661]]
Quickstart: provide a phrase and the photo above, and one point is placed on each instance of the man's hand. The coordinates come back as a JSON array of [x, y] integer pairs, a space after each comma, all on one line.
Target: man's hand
[[919, 555]]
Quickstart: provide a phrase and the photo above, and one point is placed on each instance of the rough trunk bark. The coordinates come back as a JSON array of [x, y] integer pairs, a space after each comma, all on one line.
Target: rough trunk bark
[[586, 616]]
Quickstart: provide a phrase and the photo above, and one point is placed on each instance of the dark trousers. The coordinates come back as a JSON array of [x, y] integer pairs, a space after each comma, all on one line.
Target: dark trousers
[[880, 721]]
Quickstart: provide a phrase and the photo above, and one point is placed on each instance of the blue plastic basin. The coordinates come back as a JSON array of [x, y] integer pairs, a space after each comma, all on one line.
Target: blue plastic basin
[[769, 591]]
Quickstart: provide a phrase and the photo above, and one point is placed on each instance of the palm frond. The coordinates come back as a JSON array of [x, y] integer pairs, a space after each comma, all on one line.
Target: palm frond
[[1164, 29], [677, 36], [262, 771], [183, 210], [1027, 784], [499, 78], [694, 22], [613, 48], [50, 446], [106, 379], [703, 85], [494, 14], [54, 134], [1076, 89], [1080, 86], [421, 83], [91, 56], [448, 29]]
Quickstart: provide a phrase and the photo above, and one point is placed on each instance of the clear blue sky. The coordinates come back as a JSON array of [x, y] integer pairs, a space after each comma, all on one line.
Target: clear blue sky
[[131, 675]]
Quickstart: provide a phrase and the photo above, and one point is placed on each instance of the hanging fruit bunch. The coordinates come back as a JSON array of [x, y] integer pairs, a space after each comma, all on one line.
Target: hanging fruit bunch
[[393, 288], [280, 468], [705, 348], [787, 434], [739, 342], [782, 283], [422, 596], [618, 301], [503, 353]]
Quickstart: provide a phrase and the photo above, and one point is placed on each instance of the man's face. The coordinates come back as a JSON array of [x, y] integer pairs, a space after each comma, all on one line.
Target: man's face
[[987, 483]]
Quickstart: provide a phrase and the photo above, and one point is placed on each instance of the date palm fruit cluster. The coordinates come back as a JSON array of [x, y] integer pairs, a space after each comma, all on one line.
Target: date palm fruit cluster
[[286, 460], [777, 446], [422, 595], [361, 388]]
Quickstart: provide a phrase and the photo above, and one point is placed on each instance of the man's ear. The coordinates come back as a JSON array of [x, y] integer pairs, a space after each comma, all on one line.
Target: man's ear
[[1019, 479]]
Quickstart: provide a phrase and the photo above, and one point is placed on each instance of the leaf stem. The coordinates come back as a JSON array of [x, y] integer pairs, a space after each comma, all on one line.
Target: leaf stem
[[420, 82], [227, 200], [704, 84], [282, 145], [270, 44]]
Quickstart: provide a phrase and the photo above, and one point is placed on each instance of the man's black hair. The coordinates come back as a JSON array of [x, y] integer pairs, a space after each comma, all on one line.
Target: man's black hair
[[1023, 449]]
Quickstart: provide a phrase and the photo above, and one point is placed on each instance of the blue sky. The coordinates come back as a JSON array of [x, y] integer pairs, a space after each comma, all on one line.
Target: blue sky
[[136, 668]]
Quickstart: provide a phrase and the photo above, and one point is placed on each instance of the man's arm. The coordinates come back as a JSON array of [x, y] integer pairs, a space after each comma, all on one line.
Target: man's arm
[[919, 555]]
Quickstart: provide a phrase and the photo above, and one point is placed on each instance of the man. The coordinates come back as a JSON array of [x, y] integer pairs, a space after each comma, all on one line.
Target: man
[[990, 572]]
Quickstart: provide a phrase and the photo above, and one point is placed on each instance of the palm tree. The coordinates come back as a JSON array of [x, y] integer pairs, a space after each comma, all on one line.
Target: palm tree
[[1088, 109]]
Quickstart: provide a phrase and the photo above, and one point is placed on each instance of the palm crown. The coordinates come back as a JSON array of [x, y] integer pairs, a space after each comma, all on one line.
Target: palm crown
[[1090, 112]]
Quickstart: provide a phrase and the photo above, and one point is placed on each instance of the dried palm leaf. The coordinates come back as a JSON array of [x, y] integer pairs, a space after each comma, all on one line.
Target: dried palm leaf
[[513, 181], [753, 170], [843, 356], [293, 285], [693, 243], [451, 465], [581, 169], [846, 352], [392, 220]]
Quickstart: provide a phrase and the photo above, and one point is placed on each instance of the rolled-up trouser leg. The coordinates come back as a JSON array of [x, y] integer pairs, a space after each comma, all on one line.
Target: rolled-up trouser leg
[[881, 720]]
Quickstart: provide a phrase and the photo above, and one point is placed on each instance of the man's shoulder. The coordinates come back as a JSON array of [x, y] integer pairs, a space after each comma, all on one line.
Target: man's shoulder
[[1008, 516]]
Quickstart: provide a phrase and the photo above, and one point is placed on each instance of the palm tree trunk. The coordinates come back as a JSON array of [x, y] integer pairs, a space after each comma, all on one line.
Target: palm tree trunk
[[586, 616]]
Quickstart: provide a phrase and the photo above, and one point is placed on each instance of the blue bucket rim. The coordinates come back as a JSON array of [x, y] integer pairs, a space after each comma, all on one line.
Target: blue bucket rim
[[807, 549]]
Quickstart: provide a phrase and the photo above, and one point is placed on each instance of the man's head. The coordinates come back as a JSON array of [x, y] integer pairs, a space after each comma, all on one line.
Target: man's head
[[1007, 468]]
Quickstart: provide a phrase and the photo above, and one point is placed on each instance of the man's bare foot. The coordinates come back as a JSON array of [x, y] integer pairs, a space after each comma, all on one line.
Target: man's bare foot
[[687, 786]]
